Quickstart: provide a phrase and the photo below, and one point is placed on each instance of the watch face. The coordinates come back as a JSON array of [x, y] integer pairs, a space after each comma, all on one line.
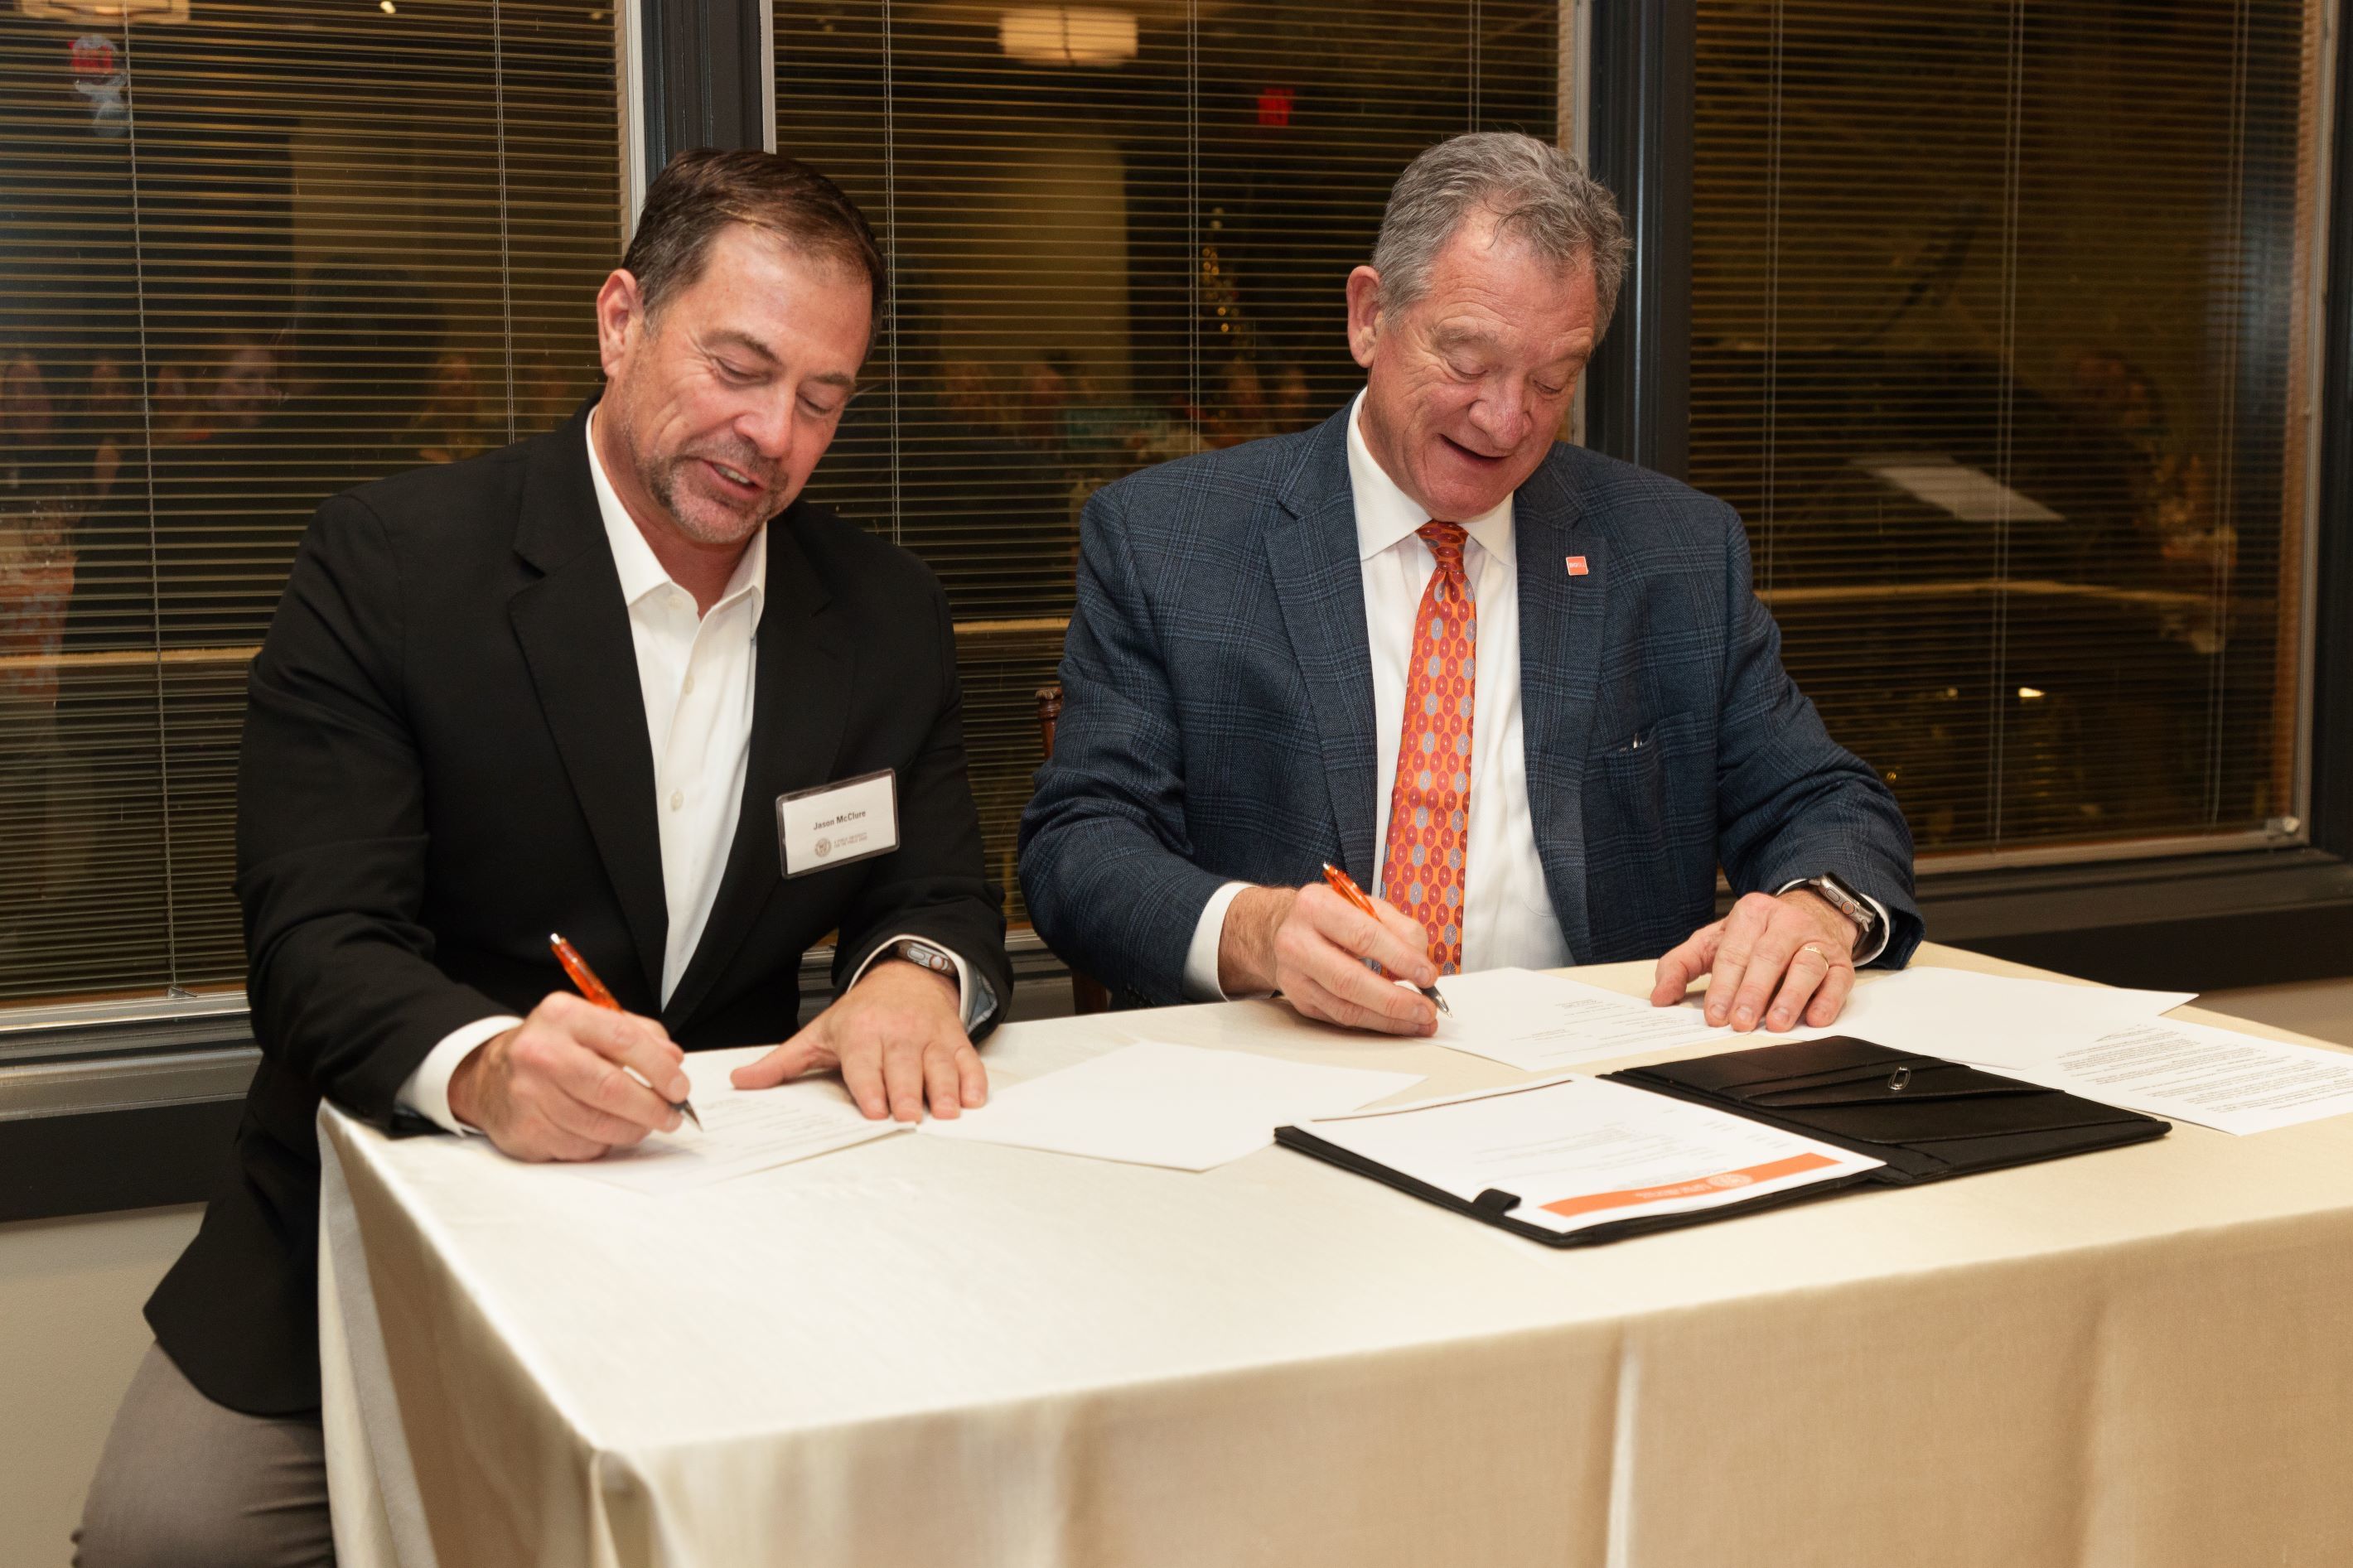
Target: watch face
[[1845, 902]]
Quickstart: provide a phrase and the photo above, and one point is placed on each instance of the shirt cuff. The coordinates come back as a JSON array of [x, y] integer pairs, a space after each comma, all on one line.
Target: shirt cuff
[[1886, 928], [975, 997], [426, 1092], [1201, 956]]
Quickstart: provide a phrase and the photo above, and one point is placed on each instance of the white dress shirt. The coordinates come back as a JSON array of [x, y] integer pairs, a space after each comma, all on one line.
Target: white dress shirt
[[695, 671], [1507, 915]]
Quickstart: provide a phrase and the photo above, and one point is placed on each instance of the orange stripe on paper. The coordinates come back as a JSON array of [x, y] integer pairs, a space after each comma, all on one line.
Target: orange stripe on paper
[[1723, 1182]]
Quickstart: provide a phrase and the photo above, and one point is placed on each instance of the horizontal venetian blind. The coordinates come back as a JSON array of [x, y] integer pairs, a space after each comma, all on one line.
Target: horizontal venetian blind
[[1998, 320], [251, 254], [1119, 235]]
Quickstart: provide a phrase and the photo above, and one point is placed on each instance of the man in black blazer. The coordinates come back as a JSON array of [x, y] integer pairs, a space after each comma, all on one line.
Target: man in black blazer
[[563, 686]]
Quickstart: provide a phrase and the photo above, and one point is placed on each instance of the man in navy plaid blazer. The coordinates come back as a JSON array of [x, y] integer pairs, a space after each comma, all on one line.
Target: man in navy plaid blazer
[[1523, 689]]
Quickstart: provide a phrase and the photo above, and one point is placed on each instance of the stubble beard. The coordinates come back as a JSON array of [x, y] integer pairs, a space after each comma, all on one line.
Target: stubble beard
[[662, 480]]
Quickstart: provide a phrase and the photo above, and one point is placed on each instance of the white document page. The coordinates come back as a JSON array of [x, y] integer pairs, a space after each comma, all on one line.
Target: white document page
[[744, 1131], [1579, 1152], [1543, 1023], [1950, 1013], [2183, 1071], [1153, 1103]]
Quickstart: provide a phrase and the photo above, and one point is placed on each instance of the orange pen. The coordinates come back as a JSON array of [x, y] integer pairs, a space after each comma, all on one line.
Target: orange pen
[[1346, 886], [593, 989]]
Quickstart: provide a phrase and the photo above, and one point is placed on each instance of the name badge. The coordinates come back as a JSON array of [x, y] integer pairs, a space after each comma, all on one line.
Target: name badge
[[835, 824]]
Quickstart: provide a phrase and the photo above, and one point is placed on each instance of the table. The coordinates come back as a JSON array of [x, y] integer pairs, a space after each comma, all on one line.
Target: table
[[922, 1351]]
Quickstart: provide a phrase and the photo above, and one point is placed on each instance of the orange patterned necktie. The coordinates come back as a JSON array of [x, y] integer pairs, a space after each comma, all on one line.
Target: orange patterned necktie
[[1430, 808]]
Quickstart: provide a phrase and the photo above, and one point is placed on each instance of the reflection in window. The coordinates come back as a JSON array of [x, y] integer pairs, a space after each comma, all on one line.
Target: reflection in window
[[1119, 239], [251, 253], [1999, 327]]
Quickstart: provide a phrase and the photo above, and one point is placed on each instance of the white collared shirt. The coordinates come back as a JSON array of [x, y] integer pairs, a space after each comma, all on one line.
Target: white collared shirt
[[696, 672], [1507, 915]]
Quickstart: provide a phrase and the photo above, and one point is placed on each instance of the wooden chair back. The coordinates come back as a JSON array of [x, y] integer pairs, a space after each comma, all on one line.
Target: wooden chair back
[[1087, 995]]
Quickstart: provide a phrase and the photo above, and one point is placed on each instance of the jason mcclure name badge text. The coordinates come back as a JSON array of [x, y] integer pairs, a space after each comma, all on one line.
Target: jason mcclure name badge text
[[837, 822]]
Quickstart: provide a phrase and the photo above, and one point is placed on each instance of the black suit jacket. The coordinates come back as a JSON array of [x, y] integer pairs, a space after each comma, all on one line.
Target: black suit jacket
[[445, 756]]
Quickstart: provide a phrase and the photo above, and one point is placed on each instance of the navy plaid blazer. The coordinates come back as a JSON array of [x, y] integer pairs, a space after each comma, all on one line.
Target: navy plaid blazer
[[1217, 713]]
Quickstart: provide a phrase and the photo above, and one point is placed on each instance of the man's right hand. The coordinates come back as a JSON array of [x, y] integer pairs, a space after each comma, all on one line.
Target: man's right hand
[[558, 1088], [1310, 943]]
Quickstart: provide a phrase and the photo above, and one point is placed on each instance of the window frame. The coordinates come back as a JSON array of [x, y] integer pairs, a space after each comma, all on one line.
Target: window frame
[[704, 75]]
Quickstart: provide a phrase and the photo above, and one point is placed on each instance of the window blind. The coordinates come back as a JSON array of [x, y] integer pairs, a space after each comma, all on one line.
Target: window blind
[[1121, 235], [2000, 320], [251, 252]]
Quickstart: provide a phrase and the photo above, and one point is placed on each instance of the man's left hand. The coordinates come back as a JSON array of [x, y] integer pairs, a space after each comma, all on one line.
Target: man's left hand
[[1771, 960], [897, 1037]]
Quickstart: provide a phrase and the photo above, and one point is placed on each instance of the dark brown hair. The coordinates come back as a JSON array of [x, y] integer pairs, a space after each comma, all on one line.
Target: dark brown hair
[[705, 189]]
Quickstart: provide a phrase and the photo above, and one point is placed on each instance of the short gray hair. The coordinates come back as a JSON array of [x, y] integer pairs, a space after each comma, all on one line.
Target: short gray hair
[[1536, 192]]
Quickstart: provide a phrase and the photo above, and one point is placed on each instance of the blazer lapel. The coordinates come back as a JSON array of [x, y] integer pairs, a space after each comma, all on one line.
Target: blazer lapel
[[575, 632], [800, 704], [1320, 585], [1560, 643]]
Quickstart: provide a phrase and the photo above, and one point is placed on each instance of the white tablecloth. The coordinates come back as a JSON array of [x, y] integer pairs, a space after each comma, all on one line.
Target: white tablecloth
[[925, 1352]]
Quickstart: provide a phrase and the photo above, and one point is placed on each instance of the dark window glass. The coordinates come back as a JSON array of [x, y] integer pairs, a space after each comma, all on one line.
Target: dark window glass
[[2001, 330], [251, 254]]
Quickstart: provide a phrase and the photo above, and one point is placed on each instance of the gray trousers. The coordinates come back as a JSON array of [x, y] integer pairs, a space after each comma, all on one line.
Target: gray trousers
[[191, 1484]]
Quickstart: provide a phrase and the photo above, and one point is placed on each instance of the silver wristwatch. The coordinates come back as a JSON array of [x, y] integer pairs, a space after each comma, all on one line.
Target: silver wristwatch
[[973, 1007], [924, 953], [1848, 902]]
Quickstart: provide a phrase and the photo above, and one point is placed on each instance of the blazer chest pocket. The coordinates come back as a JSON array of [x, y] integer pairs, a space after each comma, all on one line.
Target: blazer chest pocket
[[1645, 739], [1650, 835], [1633, 768]]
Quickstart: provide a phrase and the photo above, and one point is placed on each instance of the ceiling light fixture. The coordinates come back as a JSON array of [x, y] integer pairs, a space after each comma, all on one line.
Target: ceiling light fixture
[[106, 10], [1068, 35]]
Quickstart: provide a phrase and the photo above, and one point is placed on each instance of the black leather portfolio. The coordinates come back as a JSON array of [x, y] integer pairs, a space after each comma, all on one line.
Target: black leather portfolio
[[1926, 1117]]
